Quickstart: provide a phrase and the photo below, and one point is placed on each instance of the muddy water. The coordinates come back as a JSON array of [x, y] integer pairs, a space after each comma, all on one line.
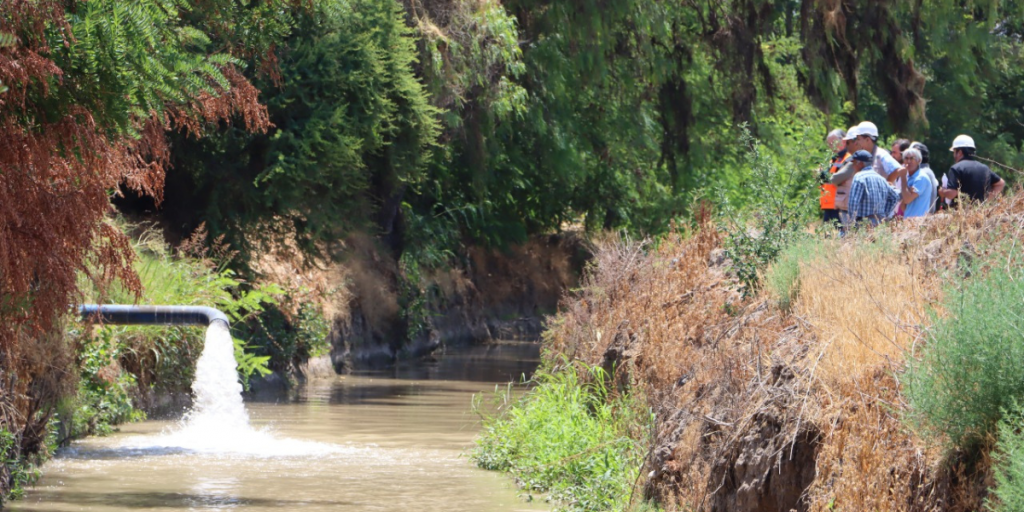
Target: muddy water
[[371, 442]]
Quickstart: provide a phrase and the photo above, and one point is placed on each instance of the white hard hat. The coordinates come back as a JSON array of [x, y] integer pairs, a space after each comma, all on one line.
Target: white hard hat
[[868, 128], [962, 141], [852, 133]]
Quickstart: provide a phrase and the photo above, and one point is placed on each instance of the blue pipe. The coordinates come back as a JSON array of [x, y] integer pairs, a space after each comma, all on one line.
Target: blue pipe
[[152, 315]]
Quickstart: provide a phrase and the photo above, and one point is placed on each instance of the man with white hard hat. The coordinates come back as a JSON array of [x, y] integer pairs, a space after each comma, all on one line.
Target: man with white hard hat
[[969, 176], [882, 162], [867, 139]]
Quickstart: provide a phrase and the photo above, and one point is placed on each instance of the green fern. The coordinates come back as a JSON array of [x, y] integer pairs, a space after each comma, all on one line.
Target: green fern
[[142, 58]]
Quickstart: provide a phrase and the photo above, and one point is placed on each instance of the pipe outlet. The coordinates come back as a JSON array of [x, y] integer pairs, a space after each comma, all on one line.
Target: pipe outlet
[[152, 315]]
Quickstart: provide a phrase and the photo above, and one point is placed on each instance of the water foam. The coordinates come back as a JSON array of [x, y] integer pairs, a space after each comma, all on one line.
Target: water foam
[[218, 422]]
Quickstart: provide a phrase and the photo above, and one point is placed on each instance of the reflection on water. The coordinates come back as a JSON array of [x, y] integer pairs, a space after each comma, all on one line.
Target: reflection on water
[[377, 441]]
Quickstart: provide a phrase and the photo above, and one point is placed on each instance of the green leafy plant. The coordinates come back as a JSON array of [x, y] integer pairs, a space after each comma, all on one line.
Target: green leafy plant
[[413, 299], [777, 215], [6, 39], [1008, 470], [968, 372], [569, 438], [104, 392], [15, 471], [282, 340]]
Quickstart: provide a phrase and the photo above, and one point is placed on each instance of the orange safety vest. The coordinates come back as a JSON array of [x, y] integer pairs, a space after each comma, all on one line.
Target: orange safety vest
[[828, 190]]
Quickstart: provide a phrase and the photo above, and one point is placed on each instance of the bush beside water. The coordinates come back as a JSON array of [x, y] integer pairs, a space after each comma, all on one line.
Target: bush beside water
[[569, 437]]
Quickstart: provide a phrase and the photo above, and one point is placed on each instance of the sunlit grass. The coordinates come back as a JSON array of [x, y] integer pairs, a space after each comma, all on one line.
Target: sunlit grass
[[569, 439]]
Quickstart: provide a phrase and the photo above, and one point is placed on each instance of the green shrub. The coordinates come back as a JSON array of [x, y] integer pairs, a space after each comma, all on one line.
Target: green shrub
[[1009, 463], [970, 370], [568, 439], [286, 339], [775, 218], [104, 390], [16, 472]]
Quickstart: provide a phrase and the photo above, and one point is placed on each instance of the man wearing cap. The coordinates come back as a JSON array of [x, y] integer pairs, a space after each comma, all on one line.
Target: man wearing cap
[[871, 197], [829, 211], [926, 170], [969, 176]]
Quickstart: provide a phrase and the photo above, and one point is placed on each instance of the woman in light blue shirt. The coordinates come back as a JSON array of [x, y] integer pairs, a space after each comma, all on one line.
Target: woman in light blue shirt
[[918, 190]]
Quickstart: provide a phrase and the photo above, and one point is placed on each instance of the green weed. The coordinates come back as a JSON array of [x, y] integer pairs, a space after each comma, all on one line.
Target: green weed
[[783, 277], [104, 391], [16, 472], [1008, 470], [969, 371], [759, 233], [569, 439], [282, 340]]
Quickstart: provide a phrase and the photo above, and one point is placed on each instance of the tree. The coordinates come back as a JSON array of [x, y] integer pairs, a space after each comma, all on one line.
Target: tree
[[94, 87]]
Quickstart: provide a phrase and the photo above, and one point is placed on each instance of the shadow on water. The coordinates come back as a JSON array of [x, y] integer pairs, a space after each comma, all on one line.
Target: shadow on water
[[146, 500], [121, 453], [497, 363]]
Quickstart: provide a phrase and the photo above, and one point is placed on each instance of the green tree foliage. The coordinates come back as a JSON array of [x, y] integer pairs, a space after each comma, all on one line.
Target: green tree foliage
[[928, 70], [352, 129], [616, 115]]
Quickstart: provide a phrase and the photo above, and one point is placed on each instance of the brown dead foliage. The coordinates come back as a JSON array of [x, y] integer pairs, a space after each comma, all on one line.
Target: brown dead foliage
[[762, 409], [58, 165]]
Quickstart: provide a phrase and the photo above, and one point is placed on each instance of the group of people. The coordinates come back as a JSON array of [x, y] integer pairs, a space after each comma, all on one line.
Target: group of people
[[866, 183]]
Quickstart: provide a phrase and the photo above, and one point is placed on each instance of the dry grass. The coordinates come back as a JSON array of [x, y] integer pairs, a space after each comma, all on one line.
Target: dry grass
[[866, 304]]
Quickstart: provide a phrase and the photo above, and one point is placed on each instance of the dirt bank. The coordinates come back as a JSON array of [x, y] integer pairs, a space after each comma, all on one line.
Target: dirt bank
[[491, 294], [766, 405]]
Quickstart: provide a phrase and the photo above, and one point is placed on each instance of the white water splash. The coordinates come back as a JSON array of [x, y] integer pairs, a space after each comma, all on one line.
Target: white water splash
[[218, 422], [218, 403]]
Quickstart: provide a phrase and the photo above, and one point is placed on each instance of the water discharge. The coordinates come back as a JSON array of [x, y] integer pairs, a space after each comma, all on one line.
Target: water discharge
[[218, 422], [369, 442]]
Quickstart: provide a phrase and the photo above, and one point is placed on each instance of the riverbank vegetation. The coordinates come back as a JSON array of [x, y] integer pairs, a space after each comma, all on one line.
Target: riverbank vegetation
[[571, 439], [873, 371], [403, 170]]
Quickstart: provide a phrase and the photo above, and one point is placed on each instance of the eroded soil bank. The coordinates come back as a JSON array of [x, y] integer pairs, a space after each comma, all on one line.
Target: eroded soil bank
[[795, 401], [492, 294]]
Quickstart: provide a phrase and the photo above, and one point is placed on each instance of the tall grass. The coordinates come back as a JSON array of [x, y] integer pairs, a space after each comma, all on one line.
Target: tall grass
[[570, 439], [866, 303], [783, 278], [970, 370]]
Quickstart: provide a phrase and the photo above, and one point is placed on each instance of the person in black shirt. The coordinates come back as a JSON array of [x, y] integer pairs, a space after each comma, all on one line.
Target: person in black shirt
[[969, 176]]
